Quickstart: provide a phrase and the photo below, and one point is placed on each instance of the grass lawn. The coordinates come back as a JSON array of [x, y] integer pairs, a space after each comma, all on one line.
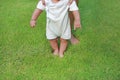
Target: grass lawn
[[25, 53]]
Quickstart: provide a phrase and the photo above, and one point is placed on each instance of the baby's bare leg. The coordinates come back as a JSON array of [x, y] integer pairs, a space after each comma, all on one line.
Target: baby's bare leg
[[54, 45], [63, 46]]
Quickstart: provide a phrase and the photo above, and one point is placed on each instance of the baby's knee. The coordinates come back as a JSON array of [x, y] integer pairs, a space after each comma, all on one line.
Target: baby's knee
[[63, 40]]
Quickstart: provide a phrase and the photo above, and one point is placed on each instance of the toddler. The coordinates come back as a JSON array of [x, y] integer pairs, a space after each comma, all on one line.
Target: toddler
[[58, 22]]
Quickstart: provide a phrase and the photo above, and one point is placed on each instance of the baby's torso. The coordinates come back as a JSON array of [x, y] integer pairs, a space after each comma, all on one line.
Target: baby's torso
[[58, 23], [56, 10]]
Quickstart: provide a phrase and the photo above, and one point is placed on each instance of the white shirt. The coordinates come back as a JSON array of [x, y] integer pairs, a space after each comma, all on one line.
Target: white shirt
[[58, 23]]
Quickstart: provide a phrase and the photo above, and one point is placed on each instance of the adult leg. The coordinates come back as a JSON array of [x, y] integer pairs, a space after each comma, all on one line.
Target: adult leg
[[77, 1], [54, 45], [63, 46], [73, 39]]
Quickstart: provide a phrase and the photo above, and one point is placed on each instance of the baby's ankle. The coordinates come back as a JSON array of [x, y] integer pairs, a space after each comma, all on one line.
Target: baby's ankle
[[55, 52]]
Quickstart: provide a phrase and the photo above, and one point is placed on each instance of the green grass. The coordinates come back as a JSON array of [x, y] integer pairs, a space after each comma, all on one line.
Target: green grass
[[25, 53]]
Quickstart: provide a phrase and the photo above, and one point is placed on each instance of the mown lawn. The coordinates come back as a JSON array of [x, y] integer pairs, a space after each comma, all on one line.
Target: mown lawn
[[25, 53]]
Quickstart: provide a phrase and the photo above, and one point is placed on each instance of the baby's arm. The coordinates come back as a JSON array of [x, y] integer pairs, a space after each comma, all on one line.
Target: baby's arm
[[34, 17], [43, 2], [76, 15], [36, 13], [77, 21]]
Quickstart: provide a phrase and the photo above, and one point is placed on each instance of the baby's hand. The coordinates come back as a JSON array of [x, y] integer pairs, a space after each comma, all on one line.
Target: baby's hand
[[32, 23], [77, 24], [43, 2]]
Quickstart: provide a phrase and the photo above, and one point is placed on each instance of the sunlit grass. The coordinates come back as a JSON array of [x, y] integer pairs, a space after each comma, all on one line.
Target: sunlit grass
[[25, 53]]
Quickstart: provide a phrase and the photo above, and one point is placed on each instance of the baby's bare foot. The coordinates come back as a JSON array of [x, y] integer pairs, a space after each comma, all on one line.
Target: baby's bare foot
[[61, 55], [55, 52]]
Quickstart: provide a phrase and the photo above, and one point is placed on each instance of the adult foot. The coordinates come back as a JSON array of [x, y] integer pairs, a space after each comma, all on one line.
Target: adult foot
[[74, 40]]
